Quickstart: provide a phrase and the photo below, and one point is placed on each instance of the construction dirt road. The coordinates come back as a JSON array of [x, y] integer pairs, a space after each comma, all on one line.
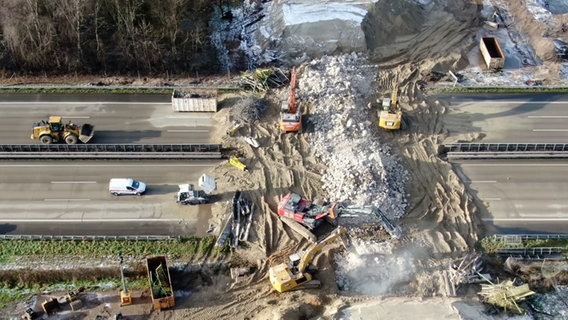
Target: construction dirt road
[[342, 155]]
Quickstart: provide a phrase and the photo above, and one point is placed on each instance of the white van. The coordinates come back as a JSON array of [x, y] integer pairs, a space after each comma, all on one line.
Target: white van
[[120, 186]]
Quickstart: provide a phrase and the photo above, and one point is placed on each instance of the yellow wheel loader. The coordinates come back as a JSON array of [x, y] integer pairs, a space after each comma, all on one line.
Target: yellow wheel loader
[[296, 274], [54, 130]]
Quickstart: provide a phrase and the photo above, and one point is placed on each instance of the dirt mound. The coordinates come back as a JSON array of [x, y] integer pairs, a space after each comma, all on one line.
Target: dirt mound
[[410, 31]]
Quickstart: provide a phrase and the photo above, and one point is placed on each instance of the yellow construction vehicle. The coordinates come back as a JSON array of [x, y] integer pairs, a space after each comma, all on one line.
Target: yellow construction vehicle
[[54, 130], [390, 117], [296, 274], [235, 162]]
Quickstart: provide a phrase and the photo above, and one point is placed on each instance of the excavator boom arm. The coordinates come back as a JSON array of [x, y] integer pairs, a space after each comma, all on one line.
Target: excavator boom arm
[[292, 101], [394, 96], [312, 250]]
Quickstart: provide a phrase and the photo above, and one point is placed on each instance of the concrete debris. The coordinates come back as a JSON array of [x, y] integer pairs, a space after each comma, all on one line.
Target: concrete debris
[[240, 274], [345, 136]]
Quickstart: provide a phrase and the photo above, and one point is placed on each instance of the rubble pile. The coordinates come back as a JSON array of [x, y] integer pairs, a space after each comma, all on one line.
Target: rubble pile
[[248, 110], [345, 135]]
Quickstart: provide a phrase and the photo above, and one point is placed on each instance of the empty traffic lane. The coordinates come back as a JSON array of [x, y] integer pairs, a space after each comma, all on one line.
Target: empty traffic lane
[[508, 118], [74, 195], [519, 196], [120, 119]]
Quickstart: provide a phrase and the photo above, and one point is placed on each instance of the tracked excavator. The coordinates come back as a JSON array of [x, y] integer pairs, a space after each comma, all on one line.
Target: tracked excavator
[[390, 117], [290, 115], [303, 216], [298, 272], [54, 130]]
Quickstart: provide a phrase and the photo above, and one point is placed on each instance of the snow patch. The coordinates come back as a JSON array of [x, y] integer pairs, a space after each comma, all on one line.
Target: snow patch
[[298, 13]]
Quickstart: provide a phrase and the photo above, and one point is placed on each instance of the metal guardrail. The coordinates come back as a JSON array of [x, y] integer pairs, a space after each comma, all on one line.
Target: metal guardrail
[[88, 238], [111, 151], [537, 253], [536, 236], [469, 151]]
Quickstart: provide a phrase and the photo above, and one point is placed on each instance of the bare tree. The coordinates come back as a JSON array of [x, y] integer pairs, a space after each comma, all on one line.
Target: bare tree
[[32, 38], [70, 14]]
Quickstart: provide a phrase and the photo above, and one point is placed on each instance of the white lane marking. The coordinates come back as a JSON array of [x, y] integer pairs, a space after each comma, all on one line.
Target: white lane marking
[[547, 117], [76, 117], [491, 199], [90, 220], [524, 219], [188, 130], [51, 103], [480, 181], [74, 199], [69, 182], [550, 130]]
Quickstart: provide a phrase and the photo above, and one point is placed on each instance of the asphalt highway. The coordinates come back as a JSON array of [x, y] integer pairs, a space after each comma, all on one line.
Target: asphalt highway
[[515, 196], [520, 196], [509, 118], [118, 119], [71, 197]]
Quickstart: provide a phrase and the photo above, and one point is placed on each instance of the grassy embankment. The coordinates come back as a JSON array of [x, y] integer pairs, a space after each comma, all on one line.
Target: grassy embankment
[[17, 284]]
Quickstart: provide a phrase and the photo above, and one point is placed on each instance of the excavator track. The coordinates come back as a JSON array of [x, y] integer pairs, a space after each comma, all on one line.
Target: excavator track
[[111, 151]]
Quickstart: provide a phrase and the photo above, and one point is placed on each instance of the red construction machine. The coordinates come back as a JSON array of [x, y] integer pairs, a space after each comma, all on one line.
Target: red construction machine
[[290, 115], [294, 209], [303, 216]]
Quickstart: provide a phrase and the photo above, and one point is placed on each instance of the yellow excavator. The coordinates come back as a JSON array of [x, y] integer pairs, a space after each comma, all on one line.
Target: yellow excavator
[[296, 274], [390, 117], [54, 130]]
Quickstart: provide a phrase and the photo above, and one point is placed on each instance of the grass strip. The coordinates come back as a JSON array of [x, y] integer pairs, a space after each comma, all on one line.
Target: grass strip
[[175, 249], [491, 244]]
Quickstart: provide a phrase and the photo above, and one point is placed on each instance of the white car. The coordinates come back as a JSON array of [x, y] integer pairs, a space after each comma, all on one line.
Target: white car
[[120, 186]]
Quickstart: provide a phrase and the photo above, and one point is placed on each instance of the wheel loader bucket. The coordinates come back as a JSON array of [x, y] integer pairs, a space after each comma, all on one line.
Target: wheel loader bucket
[[86, 133]]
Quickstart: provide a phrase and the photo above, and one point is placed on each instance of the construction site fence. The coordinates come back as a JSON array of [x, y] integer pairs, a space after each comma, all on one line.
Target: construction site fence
[[471, 151], [89, 238], [111, 151], [512, 238], [537, 253]]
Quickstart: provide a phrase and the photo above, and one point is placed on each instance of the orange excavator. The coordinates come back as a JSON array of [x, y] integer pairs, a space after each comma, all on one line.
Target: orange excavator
[[290, 115]]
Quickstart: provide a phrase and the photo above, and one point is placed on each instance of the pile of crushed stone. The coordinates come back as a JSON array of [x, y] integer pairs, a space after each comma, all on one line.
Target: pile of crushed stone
[[345, 136]]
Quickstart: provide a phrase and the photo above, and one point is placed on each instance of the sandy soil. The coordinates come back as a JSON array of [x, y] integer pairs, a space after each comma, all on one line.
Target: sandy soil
[[441, 222]]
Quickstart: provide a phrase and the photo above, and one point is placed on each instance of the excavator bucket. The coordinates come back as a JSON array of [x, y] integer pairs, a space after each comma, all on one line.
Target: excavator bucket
[[86, 133]]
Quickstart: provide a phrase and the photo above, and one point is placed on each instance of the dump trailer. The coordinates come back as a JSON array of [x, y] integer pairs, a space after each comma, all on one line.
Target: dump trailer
[[203, 100], [492, 53], [161, 289]]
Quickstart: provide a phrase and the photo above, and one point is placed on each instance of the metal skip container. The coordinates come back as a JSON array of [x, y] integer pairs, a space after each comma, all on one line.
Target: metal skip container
[[203, 100]]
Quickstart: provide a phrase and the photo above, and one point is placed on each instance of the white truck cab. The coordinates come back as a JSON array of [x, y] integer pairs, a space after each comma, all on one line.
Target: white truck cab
[[120, 186]]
